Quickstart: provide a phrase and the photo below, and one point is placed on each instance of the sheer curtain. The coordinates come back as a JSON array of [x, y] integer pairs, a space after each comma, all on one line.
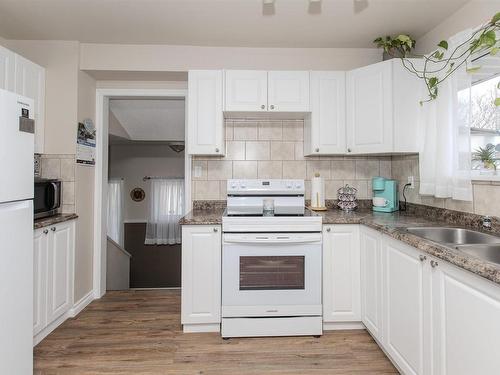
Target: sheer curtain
[[115, 210], [166, 209], [445, 157]]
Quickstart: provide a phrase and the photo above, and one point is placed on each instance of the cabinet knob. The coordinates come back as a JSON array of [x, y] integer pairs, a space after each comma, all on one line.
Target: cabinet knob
[[317, 150], [216, 150], [328, 229], [216, 230], [53, 229], [262, 106], [45, 231], [348, 150], [422, 257], [272, 106], [434, 264]]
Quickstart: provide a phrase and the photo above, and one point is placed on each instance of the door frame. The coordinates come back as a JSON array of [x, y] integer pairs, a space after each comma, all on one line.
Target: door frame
[[101, 172]]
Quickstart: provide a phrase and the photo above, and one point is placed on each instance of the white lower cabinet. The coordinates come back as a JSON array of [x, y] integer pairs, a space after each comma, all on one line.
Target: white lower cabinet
[[341, 278], [201, 278], [371, 281], [428, 315], [405, 300], [466, 322], [53, 276]]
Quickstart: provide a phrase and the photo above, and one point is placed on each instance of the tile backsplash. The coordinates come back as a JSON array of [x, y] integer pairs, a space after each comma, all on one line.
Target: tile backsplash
[[485, 193], [274, 149], [61, 166]]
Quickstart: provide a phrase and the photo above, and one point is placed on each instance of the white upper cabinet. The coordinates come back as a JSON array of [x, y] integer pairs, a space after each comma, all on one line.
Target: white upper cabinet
[[7, 69], [325, 129], [369, 109], [30, 82], [466, 323], [205, 118], [341, 279], [246, 90], [288, 91], [382, 109]]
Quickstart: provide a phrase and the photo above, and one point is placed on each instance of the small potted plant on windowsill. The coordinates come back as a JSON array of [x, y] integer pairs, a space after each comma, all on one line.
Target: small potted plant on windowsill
[[487, 156]]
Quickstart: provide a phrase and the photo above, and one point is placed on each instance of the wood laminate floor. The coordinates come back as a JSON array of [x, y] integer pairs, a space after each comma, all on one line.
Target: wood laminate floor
[[139, 332]]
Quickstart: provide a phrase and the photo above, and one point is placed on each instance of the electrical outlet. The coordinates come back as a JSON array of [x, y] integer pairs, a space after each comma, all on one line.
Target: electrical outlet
[[411, 181]]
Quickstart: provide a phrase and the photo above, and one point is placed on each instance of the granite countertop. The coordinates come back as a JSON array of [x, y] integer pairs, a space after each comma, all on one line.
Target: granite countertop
[[391, 224], [47, 221]]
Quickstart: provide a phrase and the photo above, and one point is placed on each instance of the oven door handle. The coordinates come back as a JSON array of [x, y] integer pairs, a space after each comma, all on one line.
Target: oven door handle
[[273, 240]]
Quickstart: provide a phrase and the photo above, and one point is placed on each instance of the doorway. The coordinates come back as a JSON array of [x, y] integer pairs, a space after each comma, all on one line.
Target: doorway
[[138, 157]]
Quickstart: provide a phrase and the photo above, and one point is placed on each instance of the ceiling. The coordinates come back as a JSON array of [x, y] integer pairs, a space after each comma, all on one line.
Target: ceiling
[[150, 120], [287, 23]]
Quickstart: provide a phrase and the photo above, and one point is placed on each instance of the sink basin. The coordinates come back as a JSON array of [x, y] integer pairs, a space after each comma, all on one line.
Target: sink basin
[[490, 253], [454, 236]]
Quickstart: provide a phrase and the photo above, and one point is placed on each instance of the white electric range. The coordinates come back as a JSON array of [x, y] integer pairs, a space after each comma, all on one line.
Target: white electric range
[[271, 265]]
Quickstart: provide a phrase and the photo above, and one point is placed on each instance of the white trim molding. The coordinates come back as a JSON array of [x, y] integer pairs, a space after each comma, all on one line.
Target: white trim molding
[[81, 304], [101, 176]]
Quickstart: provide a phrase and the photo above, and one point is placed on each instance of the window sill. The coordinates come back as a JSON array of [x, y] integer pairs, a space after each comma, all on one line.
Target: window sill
[[477, 176]]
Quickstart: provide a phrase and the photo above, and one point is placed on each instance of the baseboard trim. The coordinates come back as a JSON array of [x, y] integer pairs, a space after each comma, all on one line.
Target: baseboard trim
[[197, 328], [337, 326], [52, 326], [81, 304]]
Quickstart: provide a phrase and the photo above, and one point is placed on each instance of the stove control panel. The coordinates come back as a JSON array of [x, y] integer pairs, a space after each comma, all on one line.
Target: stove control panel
[[265, 187]]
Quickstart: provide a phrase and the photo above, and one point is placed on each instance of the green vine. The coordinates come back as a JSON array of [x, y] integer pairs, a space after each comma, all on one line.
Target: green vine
[[482, 41]]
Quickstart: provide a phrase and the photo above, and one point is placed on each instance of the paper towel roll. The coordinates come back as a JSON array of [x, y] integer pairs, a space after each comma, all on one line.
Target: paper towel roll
[[317, 192]]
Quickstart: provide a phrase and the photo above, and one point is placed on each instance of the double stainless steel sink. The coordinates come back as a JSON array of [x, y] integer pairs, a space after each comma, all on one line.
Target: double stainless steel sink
[[478, 244]]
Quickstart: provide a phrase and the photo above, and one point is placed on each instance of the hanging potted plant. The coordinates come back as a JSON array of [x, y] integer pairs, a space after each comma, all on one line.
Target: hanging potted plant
[[442, 63], [398, 47]]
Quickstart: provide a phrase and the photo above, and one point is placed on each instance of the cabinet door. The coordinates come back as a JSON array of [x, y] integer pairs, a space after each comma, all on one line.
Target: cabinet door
[[466, 322], [205, 118], [30, 82], [246, 90], [7, 69], [60, 270], [201, 274], [325, 131], [404, 306], [40, 249], [288, 91], [369, 109], [371, 281], [341, 279]]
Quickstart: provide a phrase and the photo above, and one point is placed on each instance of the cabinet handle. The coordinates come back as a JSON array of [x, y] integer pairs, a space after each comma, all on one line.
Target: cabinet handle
[[328, 229], [348, 150], [272, 106], [53, 229], [422, 257], [45, 231], [317, 150], [434, 264], [216, 230], [216, 150], [262, 106]]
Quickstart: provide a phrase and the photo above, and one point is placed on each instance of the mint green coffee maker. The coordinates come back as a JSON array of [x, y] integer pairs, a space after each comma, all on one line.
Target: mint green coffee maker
[[385, 195]]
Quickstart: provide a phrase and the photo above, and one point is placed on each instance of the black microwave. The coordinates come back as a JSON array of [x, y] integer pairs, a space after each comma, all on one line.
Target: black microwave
[[47, 197]]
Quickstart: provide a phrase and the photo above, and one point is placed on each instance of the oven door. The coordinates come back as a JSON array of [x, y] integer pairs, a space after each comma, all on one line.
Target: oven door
[[271, 274]]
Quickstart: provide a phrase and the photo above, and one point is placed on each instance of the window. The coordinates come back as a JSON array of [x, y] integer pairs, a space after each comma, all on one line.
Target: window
[[115, 210], [484, 124]]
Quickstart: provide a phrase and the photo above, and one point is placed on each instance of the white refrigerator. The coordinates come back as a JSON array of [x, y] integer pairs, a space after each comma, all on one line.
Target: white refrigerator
[[16, 234]]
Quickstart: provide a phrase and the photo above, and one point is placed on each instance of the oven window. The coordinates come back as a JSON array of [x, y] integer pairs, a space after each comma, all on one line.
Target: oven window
[[271, 272]]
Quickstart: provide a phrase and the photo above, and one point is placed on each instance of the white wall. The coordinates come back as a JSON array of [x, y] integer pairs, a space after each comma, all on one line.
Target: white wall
[[134, 161], [84, 197], [472, 14], [182, 58]]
